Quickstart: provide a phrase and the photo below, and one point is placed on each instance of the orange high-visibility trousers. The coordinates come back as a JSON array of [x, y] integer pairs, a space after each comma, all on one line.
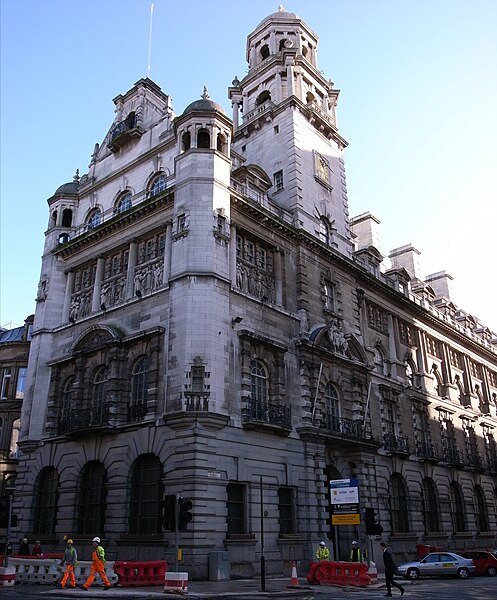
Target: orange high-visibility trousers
[[68, 573], [97, 567]]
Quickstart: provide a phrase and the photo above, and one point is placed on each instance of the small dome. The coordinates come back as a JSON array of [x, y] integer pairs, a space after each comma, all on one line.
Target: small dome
[[205, 104], [68, 188], [282, 15]]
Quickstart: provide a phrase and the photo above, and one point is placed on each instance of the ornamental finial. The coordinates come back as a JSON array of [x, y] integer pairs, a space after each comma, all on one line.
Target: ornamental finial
[[205, 95], [281, 8]]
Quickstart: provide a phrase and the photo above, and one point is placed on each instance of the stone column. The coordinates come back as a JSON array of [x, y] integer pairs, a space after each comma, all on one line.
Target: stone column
[[236, 112], [277, 88], [233, 256], [278, 278], [67, 298], [289, 77], [130, 275], [97, 287], [167, 254]]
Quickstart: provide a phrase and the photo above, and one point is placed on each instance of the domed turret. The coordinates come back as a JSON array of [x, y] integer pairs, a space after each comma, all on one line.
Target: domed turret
[[205, 104]]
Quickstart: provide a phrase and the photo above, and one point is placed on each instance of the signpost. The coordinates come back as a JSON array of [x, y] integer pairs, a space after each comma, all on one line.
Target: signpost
[[344, 494]]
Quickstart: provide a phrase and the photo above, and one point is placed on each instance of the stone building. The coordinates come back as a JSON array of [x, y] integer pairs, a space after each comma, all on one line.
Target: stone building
[[213, 320], [14, 351]]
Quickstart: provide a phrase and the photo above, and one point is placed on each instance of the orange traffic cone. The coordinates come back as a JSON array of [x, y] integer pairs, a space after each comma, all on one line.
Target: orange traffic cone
[[294, 583]]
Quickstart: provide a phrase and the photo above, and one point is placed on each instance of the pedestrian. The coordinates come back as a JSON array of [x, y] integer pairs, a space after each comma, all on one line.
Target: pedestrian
[[70, 559], [355, 553], [322, 552], [390, 570], [37, 549], [24, 548], [97, 565]]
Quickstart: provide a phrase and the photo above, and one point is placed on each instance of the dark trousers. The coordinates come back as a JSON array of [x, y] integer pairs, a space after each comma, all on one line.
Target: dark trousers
[[389, 580]]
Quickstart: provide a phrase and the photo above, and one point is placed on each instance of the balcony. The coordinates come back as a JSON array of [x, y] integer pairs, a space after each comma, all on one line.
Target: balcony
[[85, 419], [453, 457], [396, 444], [136, 412], [475, 462], [267, 416], [344, 426], [427, 451]]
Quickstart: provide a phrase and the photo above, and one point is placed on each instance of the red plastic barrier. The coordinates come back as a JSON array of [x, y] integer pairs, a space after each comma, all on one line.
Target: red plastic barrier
[[131, 574], [339, 573]]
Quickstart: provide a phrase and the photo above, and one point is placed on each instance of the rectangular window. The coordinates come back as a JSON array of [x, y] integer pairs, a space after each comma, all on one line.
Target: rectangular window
[[181, 222], [6, 377], [198, 375], [239, 246], [276, 129], [236, 505], [162, 245], [221, 224], [286, 510], [262, 255], [278, 180], [21, 383], [250, 252]]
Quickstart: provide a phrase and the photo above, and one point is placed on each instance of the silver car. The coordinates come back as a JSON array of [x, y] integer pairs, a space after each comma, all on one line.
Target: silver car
[[438, 563]]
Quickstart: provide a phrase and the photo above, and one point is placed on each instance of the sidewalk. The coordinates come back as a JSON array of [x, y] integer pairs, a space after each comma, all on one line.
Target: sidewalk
[[240, 589]]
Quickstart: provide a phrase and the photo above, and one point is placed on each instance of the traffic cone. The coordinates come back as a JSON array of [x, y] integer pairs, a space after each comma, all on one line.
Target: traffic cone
[[294, 582]]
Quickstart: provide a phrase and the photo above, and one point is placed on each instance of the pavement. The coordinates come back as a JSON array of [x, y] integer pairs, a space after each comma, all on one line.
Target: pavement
[[239, 589]]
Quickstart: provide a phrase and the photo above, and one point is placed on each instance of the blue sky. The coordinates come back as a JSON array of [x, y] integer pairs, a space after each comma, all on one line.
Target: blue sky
[[418, 106]]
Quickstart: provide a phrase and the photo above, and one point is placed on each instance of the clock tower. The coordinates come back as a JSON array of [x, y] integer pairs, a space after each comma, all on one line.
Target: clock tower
[[284, 112]]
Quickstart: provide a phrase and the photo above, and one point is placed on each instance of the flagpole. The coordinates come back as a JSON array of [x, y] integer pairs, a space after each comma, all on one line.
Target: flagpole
[[150, 40]]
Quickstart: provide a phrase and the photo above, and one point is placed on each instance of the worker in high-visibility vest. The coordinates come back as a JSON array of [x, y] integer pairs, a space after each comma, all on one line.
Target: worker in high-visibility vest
[[355, 553], [322, 552], [70, 559], [97, 565]]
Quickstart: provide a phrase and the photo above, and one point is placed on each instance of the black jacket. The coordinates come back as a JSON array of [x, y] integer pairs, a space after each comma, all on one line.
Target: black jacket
[[389, 563]]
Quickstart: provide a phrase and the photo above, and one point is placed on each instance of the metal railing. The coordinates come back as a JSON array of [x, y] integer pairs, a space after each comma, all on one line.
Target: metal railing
[[396, 443], [266, 412], [427, 451], [84, 418], [452, 456], [344, 426]]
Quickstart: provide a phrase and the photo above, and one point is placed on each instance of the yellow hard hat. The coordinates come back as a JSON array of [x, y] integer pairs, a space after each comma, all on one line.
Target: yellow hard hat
[[69, 541]]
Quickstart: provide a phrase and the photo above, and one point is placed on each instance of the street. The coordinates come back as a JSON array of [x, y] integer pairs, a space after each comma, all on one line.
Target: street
[[475, 588]]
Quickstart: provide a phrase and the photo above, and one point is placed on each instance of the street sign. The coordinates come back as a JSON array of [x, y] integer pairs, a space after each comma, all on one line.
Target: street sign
[[344, 494]]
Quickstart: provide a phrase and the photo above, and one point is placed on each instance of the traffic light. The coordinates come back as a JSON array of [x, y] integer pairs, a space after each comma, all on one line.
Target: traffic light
[[169, 512], [185, 516], [372, 527], [4, 513]]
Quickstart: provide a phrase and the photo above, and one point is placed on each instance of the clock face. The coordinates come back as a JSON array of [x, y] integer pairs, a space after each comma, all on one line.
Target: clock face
[[321, 168]]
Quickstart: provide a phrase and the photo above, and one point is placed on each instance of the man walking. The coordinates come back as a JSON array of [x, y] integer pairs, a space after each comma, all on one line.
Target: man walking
[[97, 565], [390, 571], [69, 559]]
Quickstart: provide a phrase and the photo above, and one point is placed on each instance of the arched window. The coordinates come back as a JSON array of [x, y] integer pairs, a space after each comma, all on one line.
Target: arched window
[[54, 218], [264, 51], [186, 141], [98, 413], [309, 97], [124, 203], [147, 490], [139, 390], [45, 501], [379, 361], [332, 403], [481, 513], [158, 184], [263, 97], [94, 218], [324, 231], [67, 217], [259, 383], [410, 373], [457, 510], [92, 498], [203, 138], [430, 506], [399, 504], [14, 437], [438, 382], [221, 143]]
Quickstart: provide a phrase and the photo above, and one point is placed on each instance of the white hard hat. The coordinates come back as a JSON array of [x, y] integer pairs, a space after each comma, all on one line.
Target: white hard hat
[[96, 539], [354, 542], [322, 544]]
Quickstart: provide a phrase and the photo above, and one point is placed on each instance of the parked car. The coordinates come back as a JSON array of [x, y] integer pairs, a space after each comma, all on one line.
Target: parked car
[[438, 563], [485, 562]]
